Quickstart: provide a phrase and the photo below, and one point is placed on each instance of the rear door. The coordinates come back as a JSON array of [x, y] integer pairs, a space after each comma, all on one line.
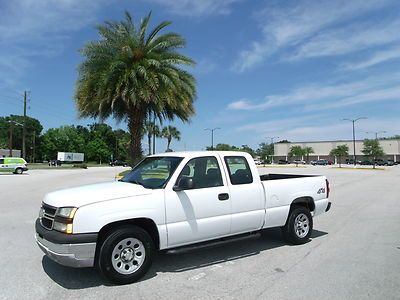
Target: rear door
[[203, 212], [247, 194]]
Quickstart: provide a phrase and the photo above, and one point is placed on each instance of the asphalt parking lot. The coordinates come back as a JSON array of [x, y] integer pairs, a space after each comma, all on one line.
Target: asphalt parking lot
[[354, 252]]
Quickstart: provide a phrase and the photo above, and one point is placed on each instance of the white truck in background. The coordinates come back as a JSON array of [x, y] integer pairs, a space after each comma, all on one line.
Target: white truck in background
[[174, 200], [70, 157]]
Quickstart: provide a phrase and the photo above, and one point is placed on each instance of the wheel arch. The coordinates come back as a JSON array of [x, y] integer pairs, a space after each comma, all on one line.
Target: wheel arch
[[306, 201], [145, 223]]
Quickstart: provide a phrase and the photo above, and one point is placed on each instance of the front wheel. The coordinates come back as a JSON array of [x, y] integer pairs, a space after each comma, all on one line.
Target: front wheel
[[299, 225], [18, 171], [126, 255]]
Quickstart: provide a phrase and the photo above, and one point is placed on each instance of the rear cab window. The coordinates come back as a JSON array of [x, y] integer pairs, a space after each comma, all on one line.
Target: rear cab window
[[238, 169]]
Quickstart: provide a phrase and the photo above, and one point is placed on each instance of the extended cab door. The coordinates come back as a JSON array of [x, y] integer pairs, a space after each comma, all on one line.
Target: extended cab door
[[247, 194], [203, 211]]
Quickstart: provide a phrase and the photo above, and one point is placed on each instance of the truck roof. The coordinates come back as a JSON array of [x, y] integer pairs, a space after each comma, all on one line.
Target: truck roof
[[201, 153]]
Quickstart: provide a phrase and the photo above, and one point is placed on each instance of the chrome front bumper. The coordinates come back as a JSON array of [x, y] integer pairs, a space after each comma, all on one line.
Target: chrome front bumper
[[71, 255]]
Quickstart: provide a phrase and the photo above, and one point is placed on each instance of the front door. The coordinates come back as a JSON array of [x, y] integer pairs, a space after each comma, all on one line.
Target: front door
[[203, 211]]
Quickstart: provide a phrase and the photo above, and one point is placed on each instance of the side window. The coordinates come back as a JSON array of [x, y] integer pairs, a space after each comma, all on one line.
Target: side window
[[1, 161], [204, 171], [239, 170]]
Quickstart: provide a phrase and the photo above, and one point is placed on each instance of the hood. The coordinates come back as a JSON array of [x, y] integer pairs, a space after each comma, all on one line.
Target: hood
[[88, 194]]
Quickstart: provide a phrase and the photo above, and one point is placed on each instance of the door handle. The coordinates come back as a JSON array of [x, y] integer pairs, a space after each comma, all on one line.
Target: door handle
[[223, 196]]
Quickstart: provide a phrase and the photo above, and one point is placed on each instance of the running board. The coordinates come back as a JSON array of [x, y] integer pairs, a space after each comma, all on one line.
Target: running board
[[214, 243]]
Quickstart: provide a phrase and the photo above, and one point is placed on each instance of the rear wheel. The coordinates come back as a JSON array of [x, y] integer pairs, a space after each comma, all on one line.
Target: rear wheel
[[126, 254], [299, 225]]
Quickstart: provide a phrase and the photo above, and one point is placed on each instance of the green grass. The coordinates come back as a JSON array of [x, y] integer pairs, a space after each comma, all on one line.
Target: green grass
[[347, 168]]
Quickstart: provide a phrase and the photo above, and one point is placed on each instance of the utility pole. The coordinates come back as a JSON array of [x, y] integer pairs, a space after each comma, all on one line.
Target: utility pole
[[12, 123], [212, 135], [24, 128], [33, 146], [11, 137], [354, 136]]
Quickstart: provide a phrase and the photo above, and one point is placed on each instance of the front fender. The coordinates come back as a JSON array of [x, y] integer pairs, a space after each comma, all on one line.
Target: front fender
[[92, 217]]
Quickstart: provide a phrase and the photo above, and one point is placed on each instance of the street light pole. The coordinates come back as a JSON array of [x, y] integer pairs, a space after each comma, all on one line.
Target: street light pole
[[376, 133], [212, 135], [354, 136], [272, 142]]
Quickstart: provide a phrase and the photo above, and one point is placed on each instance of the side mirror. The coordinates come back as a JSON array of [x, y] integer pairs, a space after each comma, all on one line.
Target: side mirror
[[184, 183]]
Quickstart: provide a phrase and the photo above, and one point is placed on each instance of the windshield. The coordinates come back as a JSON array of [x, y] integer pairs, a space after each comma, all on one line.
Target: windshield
[[153, 172]]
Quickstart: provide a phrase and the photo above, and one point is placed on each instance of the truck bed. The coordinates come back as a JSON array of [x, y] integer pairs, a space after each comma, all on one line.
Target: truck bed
[[267, 177]]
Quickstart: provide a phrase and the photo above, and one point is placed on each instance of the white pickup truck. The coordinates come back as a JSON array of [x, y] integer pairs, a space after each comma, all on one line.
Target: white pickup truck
[[173, 200]]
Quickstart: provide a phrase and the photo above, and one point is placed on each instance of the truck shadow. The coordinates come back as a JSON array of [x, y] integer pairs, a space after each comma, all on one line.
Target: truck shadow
[[71, 278]]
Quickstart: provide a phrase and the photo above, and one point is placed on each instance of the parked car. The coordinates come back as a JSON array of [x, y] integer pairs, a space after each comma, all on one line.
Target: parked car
[[189, 197], [299, 162], [350, 161], [366, 163], [55, 162], [14, 165], [380, 162], [118, 163], [320, 162], [283, 162], [257, 162], [390, 162]]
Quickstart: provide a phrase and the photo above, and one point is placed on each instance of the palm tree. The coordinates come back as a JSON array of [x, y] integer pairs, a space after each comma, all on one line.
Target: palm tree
[[171, 132], [130, 74], [308, 151], [151, 129]]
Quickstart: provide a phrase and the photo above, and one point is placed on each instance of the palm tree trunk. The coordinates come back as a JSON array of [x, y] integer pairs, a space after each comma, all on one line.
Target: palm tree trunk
[[135, 127], [149, 139], [169, 142]]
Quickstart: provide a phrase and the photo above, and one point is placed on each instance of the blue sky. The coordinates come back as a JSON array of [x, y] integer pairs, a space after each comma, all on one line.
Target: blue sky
[[291, 69]]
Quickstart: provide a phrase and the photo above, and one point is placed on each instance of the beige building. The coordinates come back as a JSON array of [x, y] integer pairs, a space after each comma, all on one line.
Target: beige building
[[323, 148]]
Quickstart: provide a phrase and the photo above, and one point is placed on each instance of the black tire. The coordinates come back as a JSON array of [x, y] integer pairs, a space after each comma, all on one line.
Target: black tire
[[104, 257], [18, 171], [298, 235]]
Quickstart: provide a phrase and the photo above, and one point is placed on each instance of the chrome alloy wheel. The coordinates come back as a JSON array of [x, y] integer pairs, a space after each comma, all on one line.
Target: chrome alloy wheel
[[128, 256], [301, 225]]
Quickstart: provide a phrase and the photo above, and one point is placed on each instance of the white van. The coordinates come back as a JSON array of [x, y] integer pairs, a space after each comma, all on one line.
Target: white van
[[14, 165]]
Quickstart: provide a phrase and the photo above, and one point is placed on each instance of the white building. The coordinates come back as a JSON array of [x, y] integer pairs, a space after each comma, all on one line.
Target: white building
[[391, 148], [6, 153]]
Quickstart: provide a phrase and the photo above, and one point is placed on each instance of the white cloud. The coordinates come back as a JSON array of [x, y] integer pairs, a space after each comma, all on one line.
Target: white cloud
[[289, 27], [197, 7], [349, 39], [319, 96], [299, 129], [376, 58]]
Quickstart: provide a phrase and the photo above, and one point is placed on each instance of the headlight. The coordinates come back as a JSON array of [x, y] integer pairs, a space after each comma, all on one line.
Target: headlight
[[63, 227], [41, 213], [64, 218], [66, 212]]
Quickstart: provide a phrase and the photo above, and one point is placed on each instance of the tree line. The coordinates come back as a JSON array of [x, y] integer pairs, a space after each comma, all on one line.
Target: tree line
[[98, 141]]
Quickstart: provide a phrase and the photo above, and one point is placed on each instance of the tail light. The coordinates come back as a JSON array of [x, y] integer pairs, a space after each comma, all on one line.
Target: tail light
[[328, 189]]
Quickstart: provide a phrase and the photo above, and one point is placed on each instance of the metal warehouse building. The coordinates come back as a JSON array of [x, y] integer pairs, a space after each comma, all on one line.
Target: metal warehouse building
[[323, 148]]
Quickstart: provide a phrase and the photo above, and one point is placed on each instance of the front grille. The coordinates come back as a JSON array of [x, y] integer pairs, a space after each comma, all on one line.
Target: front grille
[[47, 219]]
